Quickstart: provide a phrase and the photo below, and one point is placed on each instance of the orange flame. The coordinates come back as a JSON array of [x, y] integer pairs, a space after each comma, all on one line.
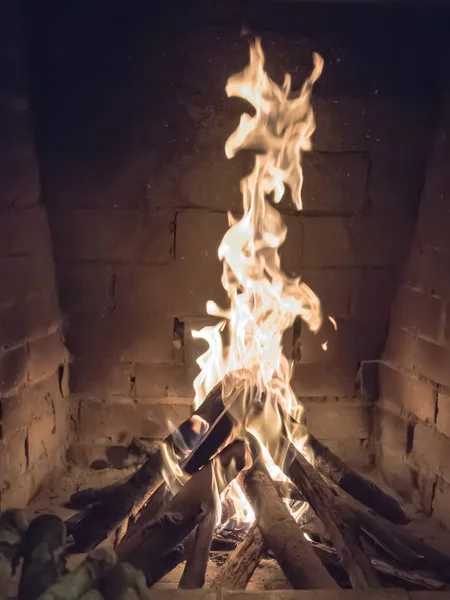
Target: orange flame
[[263, 301]]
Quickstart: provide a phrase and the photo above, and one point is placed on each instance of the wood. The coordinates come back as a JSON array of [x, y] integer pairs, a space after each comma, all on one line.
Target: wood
[[165, 564], [13, 524], [242, 562], [79, 581], [388, 573], [43, 556], [123, 582], [125, 500], [282, 534], [194, 573], [185, 510], [362, 489], [343, 530]]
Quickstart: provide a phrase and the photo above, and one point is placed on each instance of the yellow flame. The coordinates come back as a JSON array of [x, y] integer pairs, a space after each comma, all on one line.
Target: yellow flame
[[263, 301]]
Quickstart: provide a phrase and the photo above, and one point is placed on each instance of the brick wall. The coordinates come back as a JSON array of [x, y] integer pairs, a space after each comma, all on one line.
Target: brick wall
[[414, 403], [33, 411], [132, 121]]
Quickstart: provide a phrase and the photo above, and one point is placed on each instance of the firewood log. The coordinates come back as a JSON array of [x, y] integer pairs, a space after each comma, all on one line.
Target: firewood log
[[342, 531], [242, 562], [78, 582], [194, 573], [282, 535], [185, 510], [124, 582], [364, 490], [13, 525], [43, 556], [103, 518]]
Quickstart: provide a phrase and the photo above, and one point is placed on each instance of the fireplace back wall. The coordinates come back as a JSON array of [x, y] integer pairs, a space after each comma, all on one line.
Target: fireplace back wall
[[131, 120]]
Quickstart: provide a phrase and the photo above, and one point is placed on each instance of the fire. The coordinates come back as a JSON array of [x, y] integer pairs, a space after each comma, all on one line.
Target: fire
[[263, 301]]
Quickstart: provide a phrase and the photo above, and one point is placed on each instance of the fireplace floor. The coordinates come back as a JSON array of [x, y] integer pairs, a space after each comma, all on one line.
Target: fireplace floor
[[268, 576]]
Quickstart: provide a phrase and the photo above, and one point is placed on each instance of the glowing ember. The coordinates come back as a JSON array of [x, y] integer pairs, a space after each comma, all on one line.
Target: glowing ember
[[263, 301]]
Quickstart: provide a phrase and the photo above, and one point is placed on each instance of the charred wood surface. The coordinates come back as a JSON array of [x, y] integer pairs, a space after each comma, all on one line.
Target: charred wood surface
[[282, 534], [13, 525], [242, 562], [79, 581], [362, 489], [341, 525], [43, 556], [122, 502], [186, 510], [197, 562]]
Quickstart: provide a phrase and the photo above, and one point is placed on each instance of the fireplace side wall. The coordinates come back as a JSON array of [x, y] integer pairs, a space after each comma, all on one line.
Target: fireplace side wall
[[33, 412], [413, 406], [134, 174]]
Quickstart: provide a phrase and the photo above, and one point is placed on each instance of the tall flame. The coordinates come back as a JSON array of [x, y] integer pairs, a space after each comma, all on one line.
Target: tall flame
[[263, 301]]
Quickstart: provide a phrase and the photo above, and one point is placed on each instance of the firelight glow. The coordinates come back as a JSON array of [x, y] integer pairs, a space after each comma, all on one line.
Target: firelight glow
[[263, 301]]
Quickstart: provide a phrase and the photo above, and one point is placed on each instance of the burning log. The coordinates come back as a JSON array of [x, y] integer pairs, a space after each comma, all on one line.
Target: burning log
[[185, 510], [13, 524], [242, 562], [282, 534], [43, 556], [79, 581], [332, 467], [343, 531], [195, 570], [124, 501]]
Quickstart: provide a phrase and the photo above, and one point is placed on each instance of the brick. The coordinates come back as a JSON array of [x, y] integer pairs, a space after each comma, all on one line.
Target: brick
[[14, 483], [396, 472], [369, 337], [443, 413], [198, 236], [434, 271], [368, 379], [339, 342], [140, 338], [409, 393], [391, 431], [86, 287], [394, 185], [340, 124], [28, 318], [355, 241], [400, 349], [24, 276], [334, 288], [100, 378], [29, 404], [46, 355], [173, 289], [337, 419], [13, 368], [114, 422], [334, 183], [356, 453], [163, 381], [112, 235], [441, 502], [374, 293], [334, 594], [420, 313], [28, 231], [42, 440], [433, 361], [433, 225], [96, 456], [322, 380], [430, 451]]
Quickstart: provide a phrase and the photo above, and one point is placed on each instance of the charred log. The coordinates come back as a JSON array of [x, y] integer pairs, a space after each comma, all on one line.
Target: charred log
[[197, 562], [184, 511], [43, 556], [13, 525], [282, 534], [242, 562]]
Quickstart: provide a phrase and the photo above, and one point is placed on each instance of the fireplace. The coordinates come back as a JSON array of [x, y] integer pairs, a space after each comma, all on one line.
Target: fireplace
[[114, 193]]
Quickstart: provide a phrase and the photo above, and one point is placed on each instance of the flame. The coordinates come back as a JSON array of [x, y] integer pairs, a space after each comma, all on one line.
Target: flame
[[263, 301]]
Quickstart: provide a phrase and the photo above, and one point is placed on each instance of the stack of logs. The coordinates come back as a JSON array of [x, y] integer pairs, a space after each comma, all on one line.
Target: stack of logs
[[351, 535]]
